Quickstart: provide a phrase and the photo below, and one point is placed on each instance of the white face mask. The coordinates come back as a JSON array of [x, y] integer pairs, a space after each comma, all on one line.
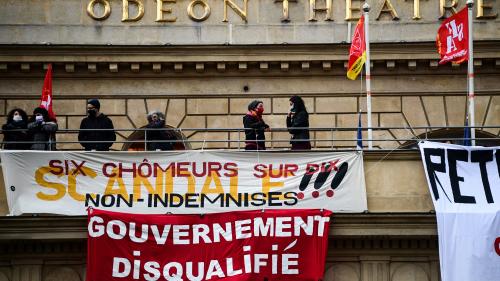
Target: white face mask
[[17, 118], [39, 118]]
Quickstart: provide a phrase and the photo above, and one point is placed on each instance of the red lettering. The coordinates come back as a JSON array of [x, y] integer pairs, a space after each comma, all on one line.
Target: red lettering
[[260, 169], [55, 168], [290, 169], [279, 174], [182, 171], [232, 169], [497, 245], [311, 168], [105, 170], [214, 167]]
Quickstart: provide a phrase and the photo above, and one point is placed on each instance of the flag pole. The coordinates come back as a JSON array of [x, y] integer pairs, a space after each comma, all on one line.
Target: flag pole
[[470, 72], [366, 9]]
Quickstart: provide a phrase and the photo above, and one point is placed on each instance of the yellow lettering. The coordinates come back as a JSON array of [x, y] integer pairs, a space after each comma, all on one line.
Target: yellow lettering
[[416, 9], [387, 7], [72, 182], [143, 181], [240, 12], [160, 11], [121, 190], [313, 10], [443, 8], [125, 13], [206, 10], [285, 17], [267, 184], [218, 189], [58, 187], [106, 13], [349, 9], [233, 186], [481, 6]]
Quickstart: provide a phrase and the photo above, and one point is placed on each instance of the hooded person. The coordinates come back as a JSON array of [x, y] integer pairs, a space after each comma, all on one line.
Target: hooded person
[[158, 138], [297, 123], [41, 130], [96, 130], [15, 130], [254, 124]]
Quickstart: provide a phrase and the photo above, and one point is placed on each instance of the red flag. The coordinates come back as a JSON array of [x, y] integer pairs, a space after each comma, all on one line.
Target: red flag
[[453, 38], [46, 100], [357, 53]]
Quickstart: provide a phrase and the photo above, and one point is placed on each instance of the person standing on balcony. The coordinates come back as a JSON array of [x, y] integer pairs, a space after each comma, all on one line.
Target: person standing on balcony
[[15, 130], [255, 127], [297, 123], [98, 133], [42, 130], [158, 138]]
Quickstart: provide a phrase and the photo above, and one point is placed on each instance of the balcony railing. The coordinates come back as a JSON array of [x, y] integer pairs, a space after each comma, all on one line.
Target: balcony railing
[[340, 138]]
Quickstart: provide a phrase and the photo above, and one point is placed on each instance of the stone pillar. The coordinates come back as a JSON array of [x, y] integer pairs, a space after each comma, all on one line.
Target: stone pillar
[[27, 270], [375, 268]]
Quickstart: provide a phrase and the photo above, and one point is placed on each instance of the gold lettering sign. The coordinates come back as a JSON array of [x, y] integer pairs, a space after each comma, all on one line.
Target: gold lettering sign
[[481, 6], [160, 11], [443, 8], [107, 9], [349, 9], [416, 9], [206, 10], [140, 10], [240, 12], [387, 7], [313, 10], [285, 16]]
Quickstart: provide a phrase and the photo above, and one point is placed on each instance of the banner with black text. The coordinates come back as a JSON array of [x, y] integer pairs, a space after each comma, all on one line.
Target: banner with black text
[[464, 184], [184, 182]]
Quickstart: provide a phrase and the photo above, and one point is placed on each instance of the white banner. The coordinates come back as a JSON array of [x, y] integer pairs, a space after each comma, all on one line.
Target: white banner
[[464, 183], [182, 182]]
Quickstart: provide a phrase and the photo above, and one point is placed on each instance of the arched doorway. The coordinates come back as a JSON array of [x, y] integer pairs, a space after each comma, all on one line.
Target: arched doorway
[[137, 140]]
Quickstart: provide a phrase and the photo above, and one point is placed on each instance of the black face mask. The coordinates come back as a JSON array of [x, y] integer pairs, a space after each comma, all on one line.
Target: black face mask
[[92, 113]]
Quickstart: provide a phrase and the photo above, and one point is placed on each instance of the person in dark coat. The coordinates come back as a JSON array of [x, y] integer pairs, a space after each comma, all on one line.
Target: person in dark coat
[[255, 127], [89, 137], [297, 123], [42, 130], [156, 122], [15, 130]]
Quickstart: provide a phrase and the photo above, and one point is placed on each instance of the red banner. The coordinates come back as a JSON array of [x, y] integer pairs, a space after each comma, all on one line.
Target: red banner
[[247, 245], [46, 99], [357, 52], [453, 38]]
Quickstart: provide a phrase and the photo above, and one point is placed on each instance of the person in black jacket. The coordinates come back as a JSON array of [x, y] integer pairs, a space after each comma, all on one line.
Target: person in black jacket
[[15, 130], [156, 122], [297, 123], [91, 139], [255, 127]]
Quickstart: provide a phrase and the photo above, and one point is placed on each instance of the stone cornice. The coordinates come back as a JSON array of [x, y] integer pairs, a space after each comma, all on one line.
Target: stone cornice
[[397, 225]]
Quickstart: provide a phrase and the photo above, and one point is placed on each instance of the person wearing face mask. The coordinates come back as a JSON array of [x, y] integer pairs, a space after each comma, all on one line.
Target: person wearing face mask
[[91, 135], [158, 139], [255, 126], [41, 130], [297, 123], [15, 130]]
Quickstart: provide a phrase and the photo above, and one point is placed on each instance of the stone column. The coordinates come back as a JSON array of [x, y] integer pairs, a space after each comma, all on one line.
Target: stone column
[[27, 270], [375, 268]]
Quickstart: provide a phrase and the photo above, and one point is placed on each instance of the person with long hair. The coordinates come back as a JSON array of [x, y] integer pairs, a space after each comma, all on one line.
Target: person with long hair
[[42, 130], [297, 122], [158, 138], [15, 130], [255, 126]]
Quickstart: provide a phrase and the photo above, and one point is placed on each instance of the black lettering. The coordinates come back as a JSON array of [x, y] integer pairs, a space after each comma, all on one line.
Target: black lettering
[[432, 167], [339, 177], [191, 200], [291, 198], [274, 199], [481, 157], [258, 199], [455, 155]]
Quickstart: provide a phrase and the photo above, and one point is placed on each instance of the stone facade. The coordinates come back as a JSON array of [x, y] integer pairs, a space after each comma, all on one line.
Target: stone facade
[[202, 74]]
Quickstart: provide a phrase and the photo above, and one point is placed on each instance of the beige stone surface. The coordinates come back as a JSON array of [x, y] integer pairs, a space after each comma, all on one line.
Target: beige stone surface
[[322, 120], [122, 125], [2, 107], [73, 122], [396, 120], [136, 110], [25, 104], [481, 103], [70, 106], [4, 207], [113, 106], [382, 104], [225, 121], [493, 115], [239, 106], [396, 186], [158, 104], [193, 122], [207, 106], [455, 110], [434, 107], [336, 105], [414, 113], [282, 105], [175, 112]]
